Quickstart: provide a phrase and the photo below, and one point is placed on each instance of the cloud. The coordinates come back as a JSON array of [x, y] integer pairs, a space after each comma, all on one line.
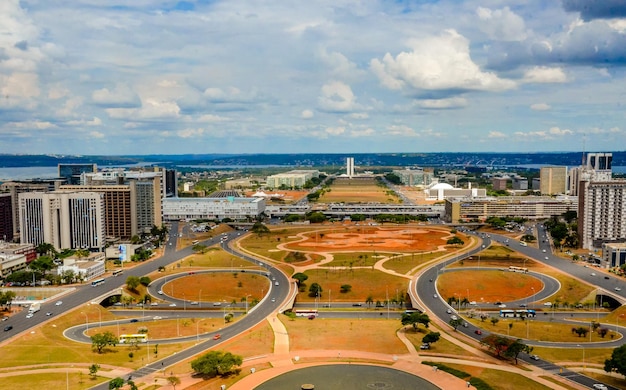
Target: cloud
[[94, 122], [437, 63], [337, 97], [357, 133], [120, 96], [340, 66], [551, 133], [593, 9], [19, 90], [540, 107], [359, 115], [454, 102], [150, 109], [502, 24], [96, 134], [335, 130], [496, 134], [543, 74], [212, 118], [306, 114], [189, 133], [34, 124]]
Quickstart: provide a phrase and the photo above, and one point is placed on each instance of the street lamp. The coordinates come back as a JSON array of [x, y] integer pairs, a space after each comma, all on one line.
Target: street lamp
[[86, 321], [583, 355], [247, 302], [199, 299], [198, 330]]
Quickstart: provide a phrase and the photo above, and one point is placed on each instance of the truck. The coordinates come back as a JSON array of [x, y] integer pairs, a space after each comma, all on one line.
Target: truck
[[34, 307]]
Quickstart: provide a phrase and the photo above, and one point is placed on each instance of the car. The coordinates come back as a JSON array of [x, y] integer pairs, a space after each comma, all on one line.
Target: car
[[434, 295], [193, 303], [453, 317], [502, 306], [606, 277], [160, 292], [134, 320], [465, 325], [172, 305], [8, 328], [600, 386], [522, 305], [547, 303], [30, 315], [217, 337], [425, 346], [217, 303], [59, 303], [593, 274], [449, 311], [157, 318], [543, 250], [273, 299], [478, 331], [154, 304], [5, 318], [49, 314], [618, 289], [534, 357], [357, 304], [311, 317], [547, 258], [497, 303]]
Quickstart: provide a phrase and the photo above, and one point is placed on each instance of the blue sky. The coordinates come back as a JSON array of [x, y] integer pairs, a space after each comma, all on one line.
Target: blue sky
[[97, 77]]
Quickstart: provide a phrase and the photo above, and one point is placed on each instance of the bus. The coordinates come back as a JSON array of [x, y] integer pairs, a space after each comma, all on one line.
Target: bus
[[97, 282], [133, 338], [513, 268], [525, 313], [306, 312], [507, 313], [118, 272]]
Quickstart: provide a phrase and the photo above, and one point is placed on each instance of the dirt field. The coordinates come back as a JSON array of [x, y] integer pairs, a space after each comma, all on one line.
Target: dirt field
[[344, 190], [401, 239], [487, 286], [218, 287]]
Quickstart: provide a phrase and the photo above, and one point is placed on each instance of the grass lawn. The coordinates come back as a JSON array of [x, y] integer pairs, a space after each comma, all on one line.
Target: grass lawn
[[344, 190], [557, 355], [364, 282], [442, 346], [60, 379], [371, 335], [406, 262], [500, 380]]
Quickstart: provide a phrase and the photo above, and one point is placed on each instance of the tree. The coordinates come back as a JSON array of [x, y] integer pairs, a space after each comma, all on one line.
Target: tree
[[415, 319], [174, 381], [345, 288], [369, 300], [455, 241], [431, 337], [42, 264], [259, 228], [132, 282], [315, 290], [494, 320], [617, 362], [116, 383], [216, 363], [145, 280], [515, 348], [300, 277], [199, 248], [101, 340], [455, 323], [93, 370], [497, 343], [46, 248]]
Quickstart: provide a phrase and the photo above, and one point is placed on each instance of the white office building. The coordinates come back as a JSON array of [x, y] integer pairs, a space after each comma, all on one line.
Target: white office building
[[602, 213], [234, 208], [71, 220]]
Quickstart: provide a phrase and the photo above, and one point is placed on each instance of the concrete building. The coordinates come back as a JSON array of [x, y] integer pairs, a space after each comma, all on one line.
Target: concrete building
[[72, 172], [291, 179], [10, 263], [64, 219], [88, 268], [350, 167], [236, 209], [553, 180], [597, 167], [519, 183], [499, 183], [601, 213], [613, 255], [14, 188], [27, 250], [531, 207], [414, 177], [442, 191], [6, 217]]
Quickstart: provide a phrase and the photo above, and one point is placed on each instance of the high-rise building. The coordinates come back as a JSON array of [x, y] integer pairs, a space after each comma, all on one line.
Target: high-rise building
[[553, 180], [597, 167], [499, 183], [6, 218], [171, 183], [601, 213], [14, 188], [64, 219], [350, 167], [72, 172]]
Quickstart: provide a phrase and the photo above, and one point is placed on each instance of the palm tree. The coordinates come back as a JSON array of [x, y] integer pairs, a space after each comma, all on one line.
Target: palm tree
[[369, 300]]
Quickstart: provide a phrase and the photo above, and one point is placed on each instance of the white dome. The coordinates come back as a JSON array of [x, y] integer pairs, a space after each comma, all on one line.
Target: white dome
[[441, 186]]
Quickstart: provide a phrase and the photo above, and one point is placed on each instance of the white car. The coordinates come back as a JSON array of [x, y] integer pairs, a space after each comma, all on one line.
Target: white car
[[502, 306], [157, 318], [29, 315], [593, 274], [59, 303], [600, 386], [160, 292], [172, 305]]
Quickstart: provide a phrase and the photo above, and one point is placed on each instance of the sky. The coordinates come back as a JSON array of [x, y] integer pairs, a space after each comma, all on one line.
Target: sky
[[97, 77]]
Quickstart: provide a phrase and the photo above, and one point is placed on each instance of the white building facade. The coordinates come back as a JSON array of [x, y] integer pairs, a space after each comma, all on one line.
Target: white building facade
[[236, 209], [602, 213]]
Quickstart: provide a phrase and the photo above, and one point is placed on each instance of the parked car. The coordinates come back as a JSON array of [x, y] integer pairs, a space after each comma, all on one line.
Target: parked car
[[425, 346]]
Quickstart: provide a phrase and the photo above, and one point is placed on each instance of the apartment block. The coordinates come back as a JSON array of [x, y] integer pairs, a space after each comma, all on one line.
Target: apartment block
[[553, 180], [602, 213]]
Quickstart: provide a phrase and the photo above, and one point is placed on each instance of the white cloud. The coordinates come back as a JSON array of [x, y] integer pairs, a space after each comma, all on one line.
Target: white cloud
[[502, 24], [357, 133], [335, 130], [306, 114], [455, 102], [211, 118], [96, 134], [543, 74], [19, 90], [540, 107], [34, 124], [150, 109], [94, 122], [401, 131], [188, 133], [437, 63], [340, 66], [359, 115], [120, 96], [337, 97], [551, 133], [496, 134]]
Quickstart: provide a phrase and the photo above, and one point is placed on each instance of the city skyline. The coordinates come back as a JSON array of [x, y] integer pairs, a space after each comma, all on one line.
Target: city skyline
[[222, 77]]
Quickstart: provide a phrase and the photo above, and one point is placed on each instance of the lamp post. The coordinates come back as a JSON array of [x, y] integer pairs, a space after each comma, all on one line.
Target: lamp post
[[468, 298], [532, 288], [198, 331], [86, 321], [247, 302], [199, 299], [583, 355]]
